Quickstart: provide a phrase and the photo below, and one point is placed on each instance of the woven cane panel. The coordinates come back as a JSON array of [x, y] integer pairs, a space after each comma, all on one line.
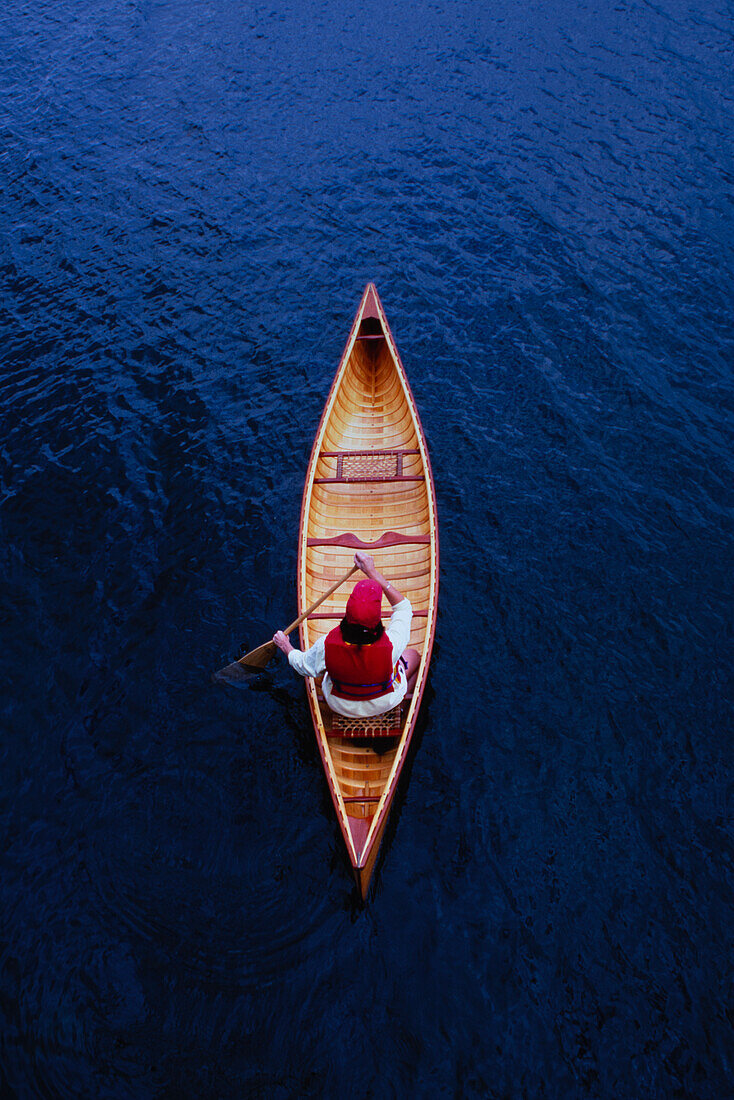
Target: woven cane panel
[[369, 466], [382, 725]]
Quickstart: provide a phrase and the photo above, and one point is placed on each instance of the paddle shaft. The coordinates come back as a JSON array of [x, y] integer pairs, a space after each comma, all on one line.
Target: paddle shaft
[[329, 592]]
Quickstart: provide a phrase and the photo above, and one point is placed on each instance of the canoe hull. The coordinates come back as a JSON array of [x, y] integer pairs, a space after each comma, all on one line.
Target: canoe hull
[[369, 486]]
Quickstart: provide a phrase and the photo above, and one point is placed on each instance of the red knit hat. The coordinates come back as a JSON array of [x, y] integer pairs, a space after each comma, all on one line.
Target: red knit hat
[[364, 604]]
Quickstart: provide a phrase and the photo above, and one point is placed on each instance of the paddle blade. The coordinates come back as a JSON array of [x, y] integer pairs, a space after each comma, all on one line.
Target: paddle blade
[[232, 674], [260, 657], [254, 661]]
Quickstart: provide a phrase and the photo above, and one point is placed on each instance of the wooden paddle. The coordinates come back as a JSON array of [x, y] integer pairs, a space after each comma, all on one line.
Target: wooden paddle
[[258, 658]]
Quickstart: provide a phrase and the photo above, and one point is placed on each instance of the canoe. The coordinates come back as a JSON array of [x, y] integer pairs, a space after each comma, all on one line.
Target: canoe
[[369, 487]]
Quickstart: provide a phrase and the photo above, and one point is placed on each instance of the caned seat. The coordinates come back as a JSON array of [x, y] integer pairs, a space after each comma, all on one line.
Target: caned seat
[[380, 725], [372, 465]]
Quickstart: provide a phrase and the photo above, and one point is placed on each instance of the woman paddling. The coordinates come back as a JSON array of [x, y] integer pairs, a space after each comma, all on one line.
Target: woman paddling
[[367, 668]]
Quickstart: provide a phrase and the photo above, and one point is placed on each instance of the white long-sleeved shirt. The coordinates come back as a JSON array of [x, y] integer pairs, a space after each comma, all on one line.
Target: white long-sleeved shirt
[[312, 662]]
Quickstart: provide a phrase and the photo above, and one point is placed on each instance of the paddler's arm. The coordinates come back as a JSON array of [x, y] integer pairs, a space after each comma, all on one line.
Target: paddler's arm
[[367, 564], [311, 662]]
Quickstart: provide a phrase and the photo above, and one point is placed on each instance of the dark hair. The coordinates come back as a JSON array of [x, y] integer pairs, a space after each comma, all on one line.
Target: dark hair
[[354, 634]]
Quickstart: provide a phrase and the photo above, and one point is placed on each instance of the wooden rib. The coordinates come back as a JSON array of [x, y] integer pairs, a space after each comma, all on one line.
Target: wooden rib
[[399, 515]]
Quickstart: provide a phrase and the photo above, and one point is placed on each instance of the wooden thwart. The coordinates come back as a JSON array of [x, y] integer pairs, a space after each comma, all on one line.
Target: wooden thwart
[[354, 542], [340, 615]]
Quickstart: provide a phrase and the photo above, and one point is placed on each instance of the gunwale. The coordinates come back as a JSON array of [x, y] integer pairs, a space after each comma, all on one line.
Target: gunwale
[[363, 846]]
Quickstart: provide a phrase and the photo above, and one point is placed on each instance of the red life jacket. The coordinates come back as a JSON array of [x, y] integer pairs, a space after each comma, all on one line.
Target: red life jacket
[[359, 672]]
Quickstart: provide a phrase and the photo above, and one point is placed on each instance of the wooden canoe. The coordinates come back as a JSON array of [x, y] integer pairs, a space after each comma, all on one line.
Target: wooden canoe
[[369, 487]]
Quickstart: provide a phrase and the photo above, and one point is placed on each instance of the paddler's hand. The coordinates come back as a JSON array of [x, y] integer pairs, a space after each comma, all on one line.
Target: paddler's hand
[[282, 642], [366, 563]]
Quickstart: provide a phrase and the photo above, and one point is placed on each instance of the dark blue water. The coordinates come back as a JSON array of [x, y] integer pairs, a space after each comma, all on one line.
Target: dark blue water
[[193, 197]]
